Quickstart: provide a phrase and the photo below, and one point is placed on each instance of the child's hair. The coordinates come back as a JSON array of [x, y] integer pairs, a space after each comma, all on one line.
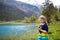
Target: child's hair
[[44, 18]]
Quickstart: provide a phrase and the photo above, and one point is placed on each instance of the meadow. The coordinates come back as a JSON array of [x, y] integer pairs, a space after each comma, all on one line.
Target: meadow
[[54, 34]]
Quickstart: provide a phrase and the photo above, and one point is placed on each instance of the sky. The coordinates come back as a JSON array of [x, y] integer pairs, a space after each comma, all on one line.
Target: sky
[[34, 2]]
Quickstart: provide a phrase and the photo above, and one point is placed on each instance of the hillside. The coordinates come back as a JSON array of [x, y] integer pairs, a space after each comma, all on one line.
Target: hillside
[[14, 10]]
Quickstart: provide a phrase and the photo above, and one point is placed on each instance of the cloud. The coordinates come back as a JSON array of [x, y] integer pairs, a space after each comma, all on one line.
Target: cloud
[[56, 2], [34, 2]]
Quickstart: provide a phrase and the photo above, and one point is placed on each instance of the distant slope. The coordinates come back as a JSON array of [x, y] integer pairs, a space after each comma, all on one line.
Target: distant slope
[[13, 10]]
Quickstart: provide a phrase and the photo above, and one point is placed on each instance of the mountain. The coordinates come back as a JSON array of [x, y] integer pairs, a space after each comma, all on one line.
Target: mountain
[[14, 10], [58, 7]]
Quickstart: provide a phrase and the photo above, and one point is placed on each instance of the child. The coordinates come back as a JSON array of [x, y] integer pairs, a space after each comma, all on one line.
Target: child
[[43, 28]]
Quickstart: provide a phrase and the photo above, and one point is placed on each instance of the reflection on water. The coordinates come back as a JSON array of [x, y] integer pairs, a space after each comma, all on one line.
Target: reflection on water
[[14, 29]]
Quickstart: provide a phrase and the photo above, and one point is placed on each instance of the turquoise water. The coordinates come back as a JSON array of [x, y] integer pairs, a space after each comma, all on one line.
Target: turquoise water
[[15, 29]]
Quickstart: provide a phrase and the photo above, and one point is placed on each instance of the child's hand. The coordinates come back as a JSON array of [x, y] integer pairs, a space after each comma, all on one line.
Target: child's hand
[[38, 28]]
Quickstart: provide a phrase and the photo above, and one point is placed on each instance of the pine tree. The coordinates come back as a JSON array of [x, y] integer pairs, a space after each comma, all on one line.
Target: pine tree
[[49, 10]]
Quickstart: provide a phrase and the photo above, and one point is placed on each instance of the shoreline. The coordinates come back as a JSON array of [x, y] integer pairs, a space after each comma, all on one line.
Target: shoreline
[[16, 23]]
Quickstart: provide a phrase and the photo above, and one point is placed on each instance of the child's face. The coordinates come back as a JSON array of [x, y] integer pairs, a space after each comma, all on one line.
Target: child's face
[[42, 20]]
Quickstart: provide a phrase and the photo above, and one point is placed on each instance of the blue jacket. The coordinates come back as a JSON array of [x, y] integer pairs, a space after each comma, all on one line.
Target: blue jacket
[[44, 27]]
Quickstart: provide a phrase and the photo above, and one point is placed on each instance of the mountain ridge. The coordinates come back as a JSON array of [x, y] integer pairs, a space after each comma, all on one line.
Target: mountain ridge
[[13, 10]]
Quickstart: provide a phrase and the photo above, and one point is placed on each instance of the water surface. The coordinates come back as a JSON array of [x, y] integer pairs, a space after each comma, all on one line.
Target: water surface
[[15, 29]]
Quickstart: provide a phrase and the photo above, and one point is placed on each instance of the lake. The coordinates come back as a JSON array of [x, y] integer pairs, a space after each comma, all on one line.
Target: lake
[[15, 29]]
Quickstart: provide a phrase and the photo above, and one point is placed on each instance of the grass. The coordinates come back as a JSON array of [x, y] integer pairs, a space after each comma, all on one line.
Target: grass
[[54, 34], [30, 35], [54, 30]]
